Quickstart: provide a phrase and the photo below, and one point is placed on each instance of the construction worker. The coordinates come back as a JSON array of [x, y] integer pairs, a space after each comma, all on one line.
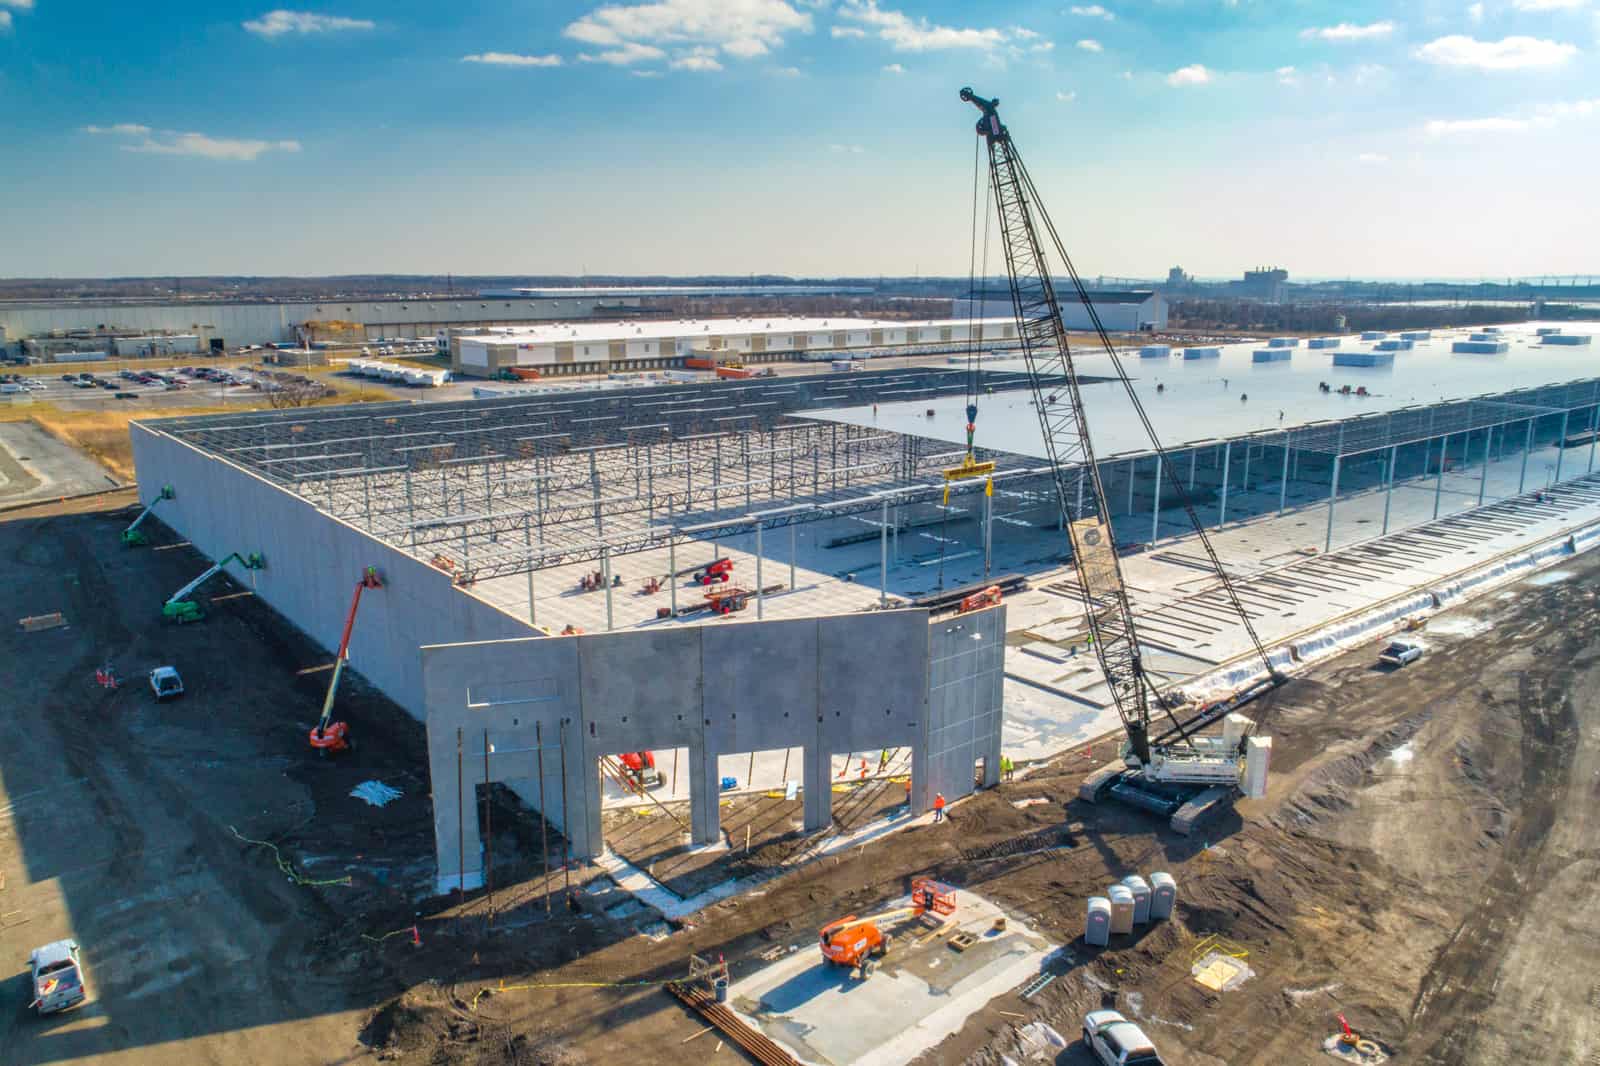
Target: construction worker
[[1007, 768], [938, 807]]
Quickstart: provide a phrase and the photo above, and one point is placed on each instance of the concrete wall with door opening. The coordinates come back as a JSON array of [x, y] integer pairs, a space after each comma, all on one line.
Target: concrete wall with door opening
[[832, 685]]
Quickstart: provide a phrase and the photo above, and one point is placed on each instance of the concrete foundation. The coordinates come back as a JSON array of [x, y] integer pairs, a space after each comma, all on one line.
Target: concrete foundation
[[827, 685]]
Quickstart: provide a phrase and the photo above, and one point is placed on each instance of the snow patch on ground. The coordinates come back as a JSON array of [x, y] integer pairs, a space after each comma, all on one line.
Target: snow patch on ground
[[1458, 626], [1550, 577], [1403, 755]]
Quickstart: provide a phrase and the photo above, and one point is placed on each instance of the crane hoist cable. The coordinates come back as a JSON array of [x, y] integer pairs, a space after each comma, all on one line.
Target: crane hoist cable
[[970, 466], [978, 253]]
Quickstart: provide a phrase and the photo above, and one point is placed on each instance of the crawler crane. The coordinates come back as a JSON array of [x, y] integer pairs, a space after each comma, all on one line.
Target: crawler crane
[[1166, 767]]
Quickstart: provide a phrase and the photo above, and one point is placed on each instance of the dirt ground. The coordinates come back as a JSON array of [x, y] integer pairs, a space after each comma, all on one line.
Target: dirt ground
[[1422, 863]]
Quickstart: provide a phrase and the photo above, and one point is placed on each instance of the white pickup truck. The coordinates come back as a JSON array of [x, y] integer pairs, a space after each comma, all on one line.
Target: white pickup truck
[[1116, 1041], [57, 972], [1402, 651]]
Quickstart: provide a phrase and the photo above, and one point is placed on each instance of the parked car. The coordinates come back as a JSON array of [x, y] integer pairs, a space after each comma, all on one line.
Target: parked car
[[165, 683], [1116, 1041], [57, 970], [1402, 651]]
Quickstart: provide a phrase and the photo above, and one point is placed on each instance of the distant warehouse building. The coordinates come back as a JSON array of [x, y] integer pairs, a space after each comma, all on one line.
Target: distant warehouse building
[[1123, 311], [221, 323], [600, 347]]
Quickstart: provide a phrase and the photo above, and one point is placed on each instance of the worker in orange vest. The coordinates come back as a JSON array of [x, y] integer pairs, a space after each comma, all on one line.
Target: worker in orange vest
[[938, 807]]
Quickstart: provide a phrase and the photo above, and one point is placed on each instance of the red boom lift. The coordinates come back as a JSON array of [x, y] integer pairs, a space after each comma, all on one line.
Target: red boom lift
[[327, 735]]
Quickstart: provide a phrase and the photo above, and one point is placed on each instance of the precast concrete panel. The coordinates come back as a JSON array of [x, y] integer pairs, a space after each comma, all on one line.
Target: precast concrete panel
[[760, 684], [827, 685], [872, 675], [526, 707], [966, 677], [313, 562]]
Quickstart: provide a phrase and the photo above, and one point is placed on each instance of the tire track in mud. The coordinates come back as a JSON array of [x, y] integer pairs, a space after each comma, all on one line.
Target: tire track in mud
[[1461, 984]]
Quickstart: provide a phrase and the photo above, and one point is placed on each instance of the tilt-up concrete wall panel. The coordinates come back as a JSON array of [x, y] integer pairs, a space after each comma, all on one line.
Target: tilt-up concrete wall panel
[[850, 683], [313, 562]]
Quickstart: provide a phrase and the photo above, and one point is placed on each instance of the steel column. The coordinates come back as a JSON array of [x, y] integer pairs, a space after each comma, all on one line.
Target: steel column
[[1438, 485], [1333, 493], [760, 598], [883, 556], [1227, 457], [1527, 446], [988, 528], [1594, 423], [1488, 452], [1155, 508], [794, 544], [672, 572], [1388, 492], [1561, 445], [605, 575], [1283, 478]]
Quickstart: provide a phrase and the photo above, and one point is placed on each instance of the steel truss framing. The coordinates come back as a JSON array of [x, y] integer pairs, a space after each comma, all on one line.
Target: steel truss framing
[[493, 488]]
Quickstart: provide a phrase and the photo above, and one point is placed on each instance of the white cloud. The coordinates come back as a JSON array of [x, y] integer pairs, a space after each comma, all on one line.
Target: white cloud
[[1372, 157], [848, 31], [1457, 126], [849, 149], [740, 28], [645, 73], [1548, 5], [1348, 31], [1066, 97], [702, 59], [786, 72], [894, 68], [907, 34], [6, 21], [172, 142], [628, 53], [1287, 76], [1089, 45], [121, 129], [1474, 13], [1093, 11], [1543, 116], [1193, 74], [1511, 53], [275, 24], [1571, 109], [512, 59], [1127, 75]]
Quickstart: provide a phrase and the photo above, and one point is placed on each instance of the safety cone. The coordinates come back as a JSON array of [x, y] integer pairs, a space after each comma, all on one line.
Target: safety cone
[[416, 939]]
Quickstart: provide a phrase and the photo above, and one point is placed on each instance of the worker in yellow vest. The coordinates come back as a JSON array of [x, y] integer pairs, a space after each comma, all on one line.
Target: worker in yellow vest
[[1007, 768]]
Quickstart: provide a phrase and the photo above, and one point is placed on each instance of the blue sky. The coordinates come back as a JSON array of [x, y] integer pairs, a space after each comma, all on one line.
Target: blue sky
[[1438, 139]]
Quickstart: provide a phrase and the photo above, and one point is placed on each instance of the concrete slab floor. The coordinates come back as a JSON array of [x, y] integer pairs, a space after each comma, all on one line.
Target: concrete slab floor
[[919, 994]]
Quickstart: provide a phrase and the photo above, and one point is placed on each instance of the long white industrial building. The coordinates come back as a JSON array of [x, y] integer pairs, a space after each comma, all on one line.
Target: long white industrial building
[[265, 322], [597, 347], [1125, 311]]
